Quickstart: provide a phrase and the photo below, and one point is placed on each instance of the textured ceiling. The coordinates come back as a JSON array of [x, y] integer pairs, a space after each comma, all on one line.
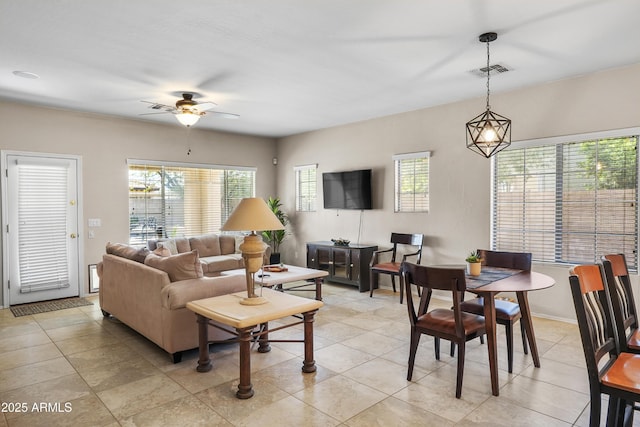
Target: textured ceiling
[[290, 66]]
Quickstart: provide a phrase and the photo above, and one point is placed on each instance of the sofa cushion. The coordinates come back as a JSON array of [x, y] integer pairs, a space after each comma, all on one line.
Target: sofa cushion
[[178, 267], [216, 264], [127, 251], [206, 245], [183, 245], [227, 244]]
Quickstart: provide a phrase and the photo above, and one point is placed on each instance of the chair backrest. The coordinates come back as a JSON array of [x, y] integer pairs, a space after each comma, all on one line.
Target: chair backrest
[[621, 294], [591, 301], [407, 239], [429, 278], [516, 260]]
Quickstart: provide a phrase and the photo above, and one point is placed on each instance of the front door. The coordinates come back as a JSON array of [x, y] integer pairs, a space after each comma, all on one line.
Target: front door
[[41, 223]]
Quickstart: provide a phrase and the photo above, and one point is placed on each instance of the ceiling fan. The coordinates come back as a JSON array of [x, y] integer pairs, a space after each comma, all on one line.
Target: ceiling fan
[[188, 111]]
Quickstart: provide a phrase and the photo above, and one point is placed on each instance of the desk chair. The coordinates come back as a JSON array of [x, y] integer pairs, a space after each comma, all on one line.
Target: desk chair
[[452, 325], [392, 267], [622, 302], [610, 371], [507, 312]]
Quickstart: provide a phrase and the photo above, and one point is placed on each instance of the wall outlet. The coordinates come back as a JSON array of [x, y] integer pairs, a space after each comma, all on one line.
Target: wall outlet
[[92, 234]]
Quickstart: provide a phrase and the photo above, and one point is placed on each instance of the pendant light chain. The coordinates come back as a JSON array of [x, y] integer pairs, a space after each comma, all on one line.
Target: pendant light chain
[[488, 76]]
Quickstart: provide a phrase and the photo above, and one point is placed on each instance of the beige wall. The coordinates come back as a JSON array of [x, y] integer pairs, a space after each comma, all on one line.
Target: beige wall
[[105, 143], [459, 217]]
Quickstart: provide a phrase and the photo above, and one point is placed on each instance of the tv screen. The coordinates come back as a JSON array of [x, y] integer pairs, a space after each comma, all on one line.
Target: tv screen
[[347, 190]]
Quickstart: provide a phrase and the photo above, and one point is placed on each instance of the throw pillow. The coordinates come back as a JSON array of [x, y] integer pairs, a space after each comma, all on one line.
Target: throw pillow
[[169, 244], [179, 267], [126, 251], [162, 251]]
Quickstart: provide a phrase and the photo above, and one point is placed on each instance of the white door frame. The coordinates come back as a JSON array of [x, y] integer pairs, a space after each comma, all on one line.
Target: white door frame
[[4, 154]]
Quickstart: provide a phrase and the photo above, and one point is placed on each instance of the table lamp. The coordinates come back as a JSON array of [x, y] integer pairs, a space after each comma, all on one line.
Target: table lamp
[[252, 214]]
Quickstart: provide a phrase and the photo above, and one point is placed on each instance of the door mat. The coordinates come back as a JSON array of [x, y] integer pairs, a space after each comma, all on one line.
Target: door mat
[[46, 306]]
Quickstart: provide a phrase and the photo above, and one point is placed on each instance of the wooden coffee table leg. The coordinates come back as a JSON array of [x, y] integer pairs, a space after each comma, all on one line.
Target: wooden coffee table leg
[[318, 288], [309, 364], [245, 388], [263, 340], [204, 361]]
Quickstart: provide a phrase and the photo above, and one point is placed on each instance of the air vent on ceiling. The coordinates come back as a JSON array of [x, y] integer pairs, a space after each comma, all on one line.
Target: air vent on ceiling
[[495, 69]]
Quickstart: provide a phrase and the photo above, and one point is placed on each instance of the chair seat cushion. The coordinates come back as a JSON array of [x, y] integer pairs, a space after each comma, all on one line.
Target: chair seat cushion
[[387, 267], [442, 320], [634, 340], [505, 310], [624, 373]]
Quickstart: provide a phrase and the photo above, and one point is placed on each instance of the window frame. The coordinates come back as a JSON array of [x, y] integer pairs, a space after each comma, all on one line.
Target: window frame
[[312, 198], [197, 168], [558, 202], [397, 160]]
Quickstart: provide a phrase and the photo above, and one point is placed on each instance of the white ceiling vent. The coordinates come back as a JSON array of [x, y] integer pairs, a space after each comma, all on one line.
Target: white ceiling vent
[[495, 69]]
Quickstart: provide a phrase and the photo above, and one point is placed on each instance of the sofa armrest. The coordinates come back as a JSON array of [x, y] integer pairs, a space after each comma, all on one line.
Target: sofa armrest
[[130, 291]]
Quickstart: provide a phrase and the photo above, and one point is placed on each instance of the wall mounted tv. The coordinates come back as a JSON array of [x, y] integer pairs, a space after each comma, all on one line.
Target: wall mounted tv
[[347, 190]]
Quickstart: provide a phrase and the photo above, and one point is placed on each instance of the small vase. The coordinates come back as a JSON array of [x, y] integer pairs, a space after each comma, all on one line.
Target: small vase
[[474, 268]]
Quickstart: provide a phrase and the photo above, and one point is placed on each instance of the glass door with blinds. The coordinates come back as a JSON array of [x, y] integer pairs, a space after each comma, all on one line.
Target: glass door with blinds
[[42, 225]]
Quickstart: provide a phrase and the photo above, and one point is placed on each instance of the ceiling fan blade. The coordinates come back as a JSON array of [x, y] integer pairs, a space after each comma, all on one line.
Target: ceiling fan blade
[[205, 106], [152, 114], [224, 115], [157, 106]]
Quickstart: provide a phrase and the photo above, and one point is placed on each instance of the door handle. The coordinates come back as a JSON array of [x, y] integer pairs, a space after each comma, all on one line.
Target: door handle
[[73, 235]]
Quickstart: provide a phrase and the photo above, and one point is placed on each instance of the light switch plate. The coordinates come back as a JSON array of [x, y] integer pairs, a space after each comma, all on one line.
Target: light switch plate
[[94, 222]]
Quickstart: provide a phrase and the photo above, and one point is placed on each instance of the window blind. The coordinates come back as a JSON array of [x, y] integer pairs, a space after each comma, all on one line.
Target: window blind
[[42, 190], [411, 182], [306, 187], [568, 202], [177, 200]]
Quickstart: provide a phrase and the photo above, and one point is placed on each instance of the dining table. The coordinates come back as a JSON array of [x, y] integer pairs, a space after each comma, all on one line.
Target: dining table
[[494, 280]]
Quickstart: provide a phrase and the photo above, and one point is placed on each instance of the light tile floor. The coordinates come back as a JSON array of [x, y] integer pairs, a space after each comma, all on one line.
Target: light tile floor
[[91, 371]]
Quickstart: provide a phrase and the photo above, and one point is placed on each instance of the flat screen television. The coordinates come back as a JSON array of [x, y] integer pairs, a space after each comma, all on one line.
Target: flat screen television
[[347, 190]]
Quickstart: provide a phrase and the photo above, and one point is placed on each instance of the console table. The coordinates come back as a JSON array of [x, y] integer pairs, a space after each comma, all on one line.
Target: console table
[[344, 264]]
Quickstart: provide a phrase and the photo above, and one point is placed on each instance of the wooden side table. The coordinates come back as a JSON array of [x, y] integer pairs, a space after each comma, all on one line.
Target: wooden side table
[[227, 310]]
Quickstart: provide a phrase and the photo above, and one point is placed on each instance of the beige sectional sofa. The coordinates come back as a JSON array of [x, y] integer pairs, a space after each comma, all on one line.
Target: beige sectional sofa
[[149, 292], [217, 252]]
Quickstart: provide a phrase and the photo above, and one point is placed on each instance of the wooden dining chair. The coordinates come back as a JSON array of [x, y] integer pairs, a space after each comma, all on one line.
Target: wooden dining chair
[[507, 312], [449, 324], [622, 302], [386, 261], [610, 371]]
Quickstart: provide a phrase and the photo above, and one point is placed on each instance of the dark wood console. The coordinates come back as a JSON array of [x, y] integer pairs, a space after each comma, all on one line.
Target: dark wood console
[[345, 264]]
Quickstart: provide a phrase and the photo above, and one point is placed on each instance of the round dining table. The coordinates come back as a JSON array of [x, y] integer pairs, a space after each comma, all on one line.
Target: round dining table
[[521, 283]]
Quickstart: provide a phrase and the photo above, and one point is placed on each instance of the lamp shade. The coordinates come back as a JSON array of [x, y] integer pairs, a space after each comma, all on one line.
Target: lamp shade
[[252, 214], [188, 118]]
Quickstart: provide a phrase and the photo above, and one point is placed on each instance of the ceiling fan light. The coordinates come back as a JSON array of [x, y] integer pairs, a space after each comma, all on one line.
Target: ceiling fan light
[[188, 118]]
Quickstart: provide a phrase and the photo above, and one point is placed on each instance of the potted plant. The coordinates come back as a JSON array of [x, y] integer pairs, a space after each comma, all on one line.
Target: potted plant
[[275, 237], [474, 263]]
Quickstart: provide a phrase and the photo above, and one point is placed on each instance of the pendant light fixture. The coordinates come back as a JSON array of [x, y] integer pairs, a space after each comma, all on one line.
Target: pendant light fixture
[[488, 133]]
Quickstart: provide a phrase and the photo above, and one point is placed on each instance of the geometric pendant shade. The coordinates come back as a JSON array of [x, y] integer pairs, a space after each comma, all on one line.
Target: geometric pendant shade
[[488, 133]]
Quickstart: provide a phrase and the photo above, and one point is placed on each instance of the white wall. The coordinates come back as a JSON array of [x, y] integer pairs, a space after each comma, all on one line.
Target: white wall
[[105, 143], [459, 217]]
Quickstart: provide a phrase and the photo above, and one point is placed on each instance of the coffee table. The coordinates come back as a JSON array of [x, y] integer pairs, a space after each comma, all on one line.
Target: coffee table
[[276, 280], [251, 323]]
